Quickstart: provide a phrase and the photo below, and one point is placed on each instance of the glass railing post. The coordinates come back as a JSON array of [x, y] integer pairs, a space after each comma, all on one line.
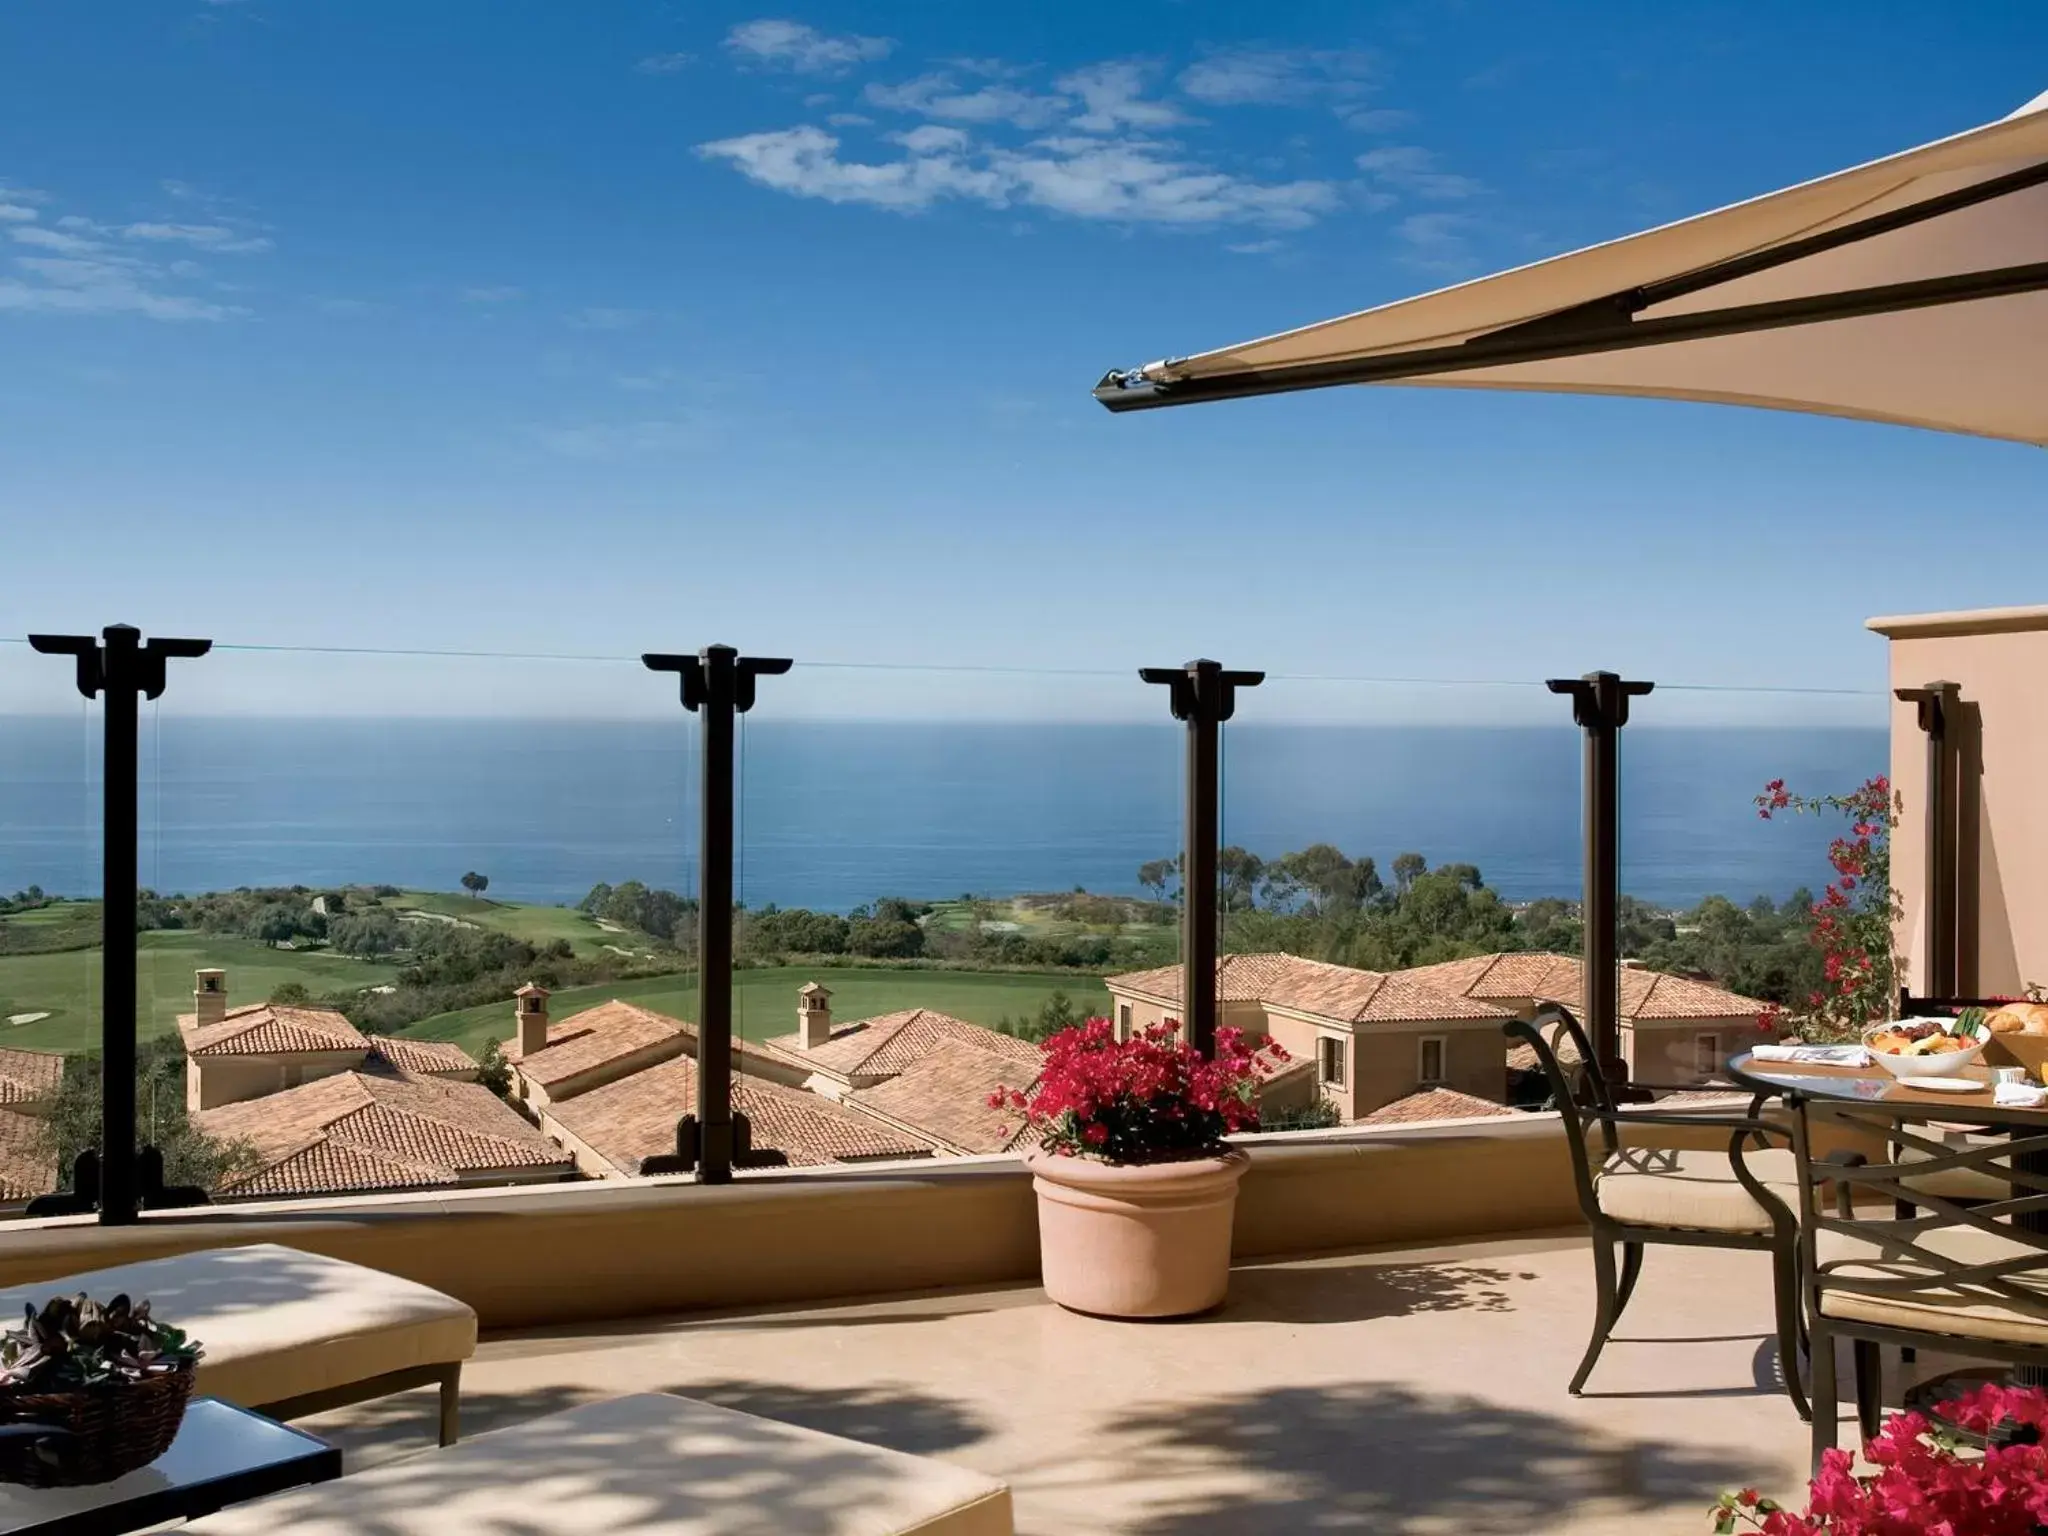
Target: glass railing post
[[1600, 708], [717, 684], [122, 668], [1202, 695]]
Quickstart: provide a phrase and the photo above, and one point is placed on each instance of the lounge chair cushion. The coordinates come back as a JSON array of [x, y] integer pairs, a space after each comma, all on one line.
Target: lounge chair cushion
[[1966, 1309], [1955, 1183], [1694, 1190], [650, 1465], [278, 1323]]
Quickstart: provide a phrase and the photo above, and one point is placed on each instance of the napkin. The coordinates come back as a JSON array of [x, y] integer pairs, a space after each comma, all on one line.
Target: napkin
[[1814, 1055], [2019, 1096]]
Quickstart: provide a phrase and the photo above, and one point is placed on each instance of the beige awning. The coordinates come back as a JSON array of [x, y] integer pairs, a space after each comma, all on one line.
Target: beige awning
[[1913, 289]]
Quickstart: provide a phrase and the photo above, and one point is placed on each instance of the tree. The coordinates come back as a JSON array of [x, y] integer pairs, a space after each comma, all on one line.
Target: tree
[[367, 934], [1238, 873], [476, 884], [290, 994], [1406, 867], [493, 1070], [1160, 875]]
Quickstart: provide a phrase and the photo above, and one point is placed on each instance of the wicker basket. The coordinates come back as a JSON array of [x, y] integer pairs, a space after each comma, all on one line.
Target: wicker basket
[[108, 1431]]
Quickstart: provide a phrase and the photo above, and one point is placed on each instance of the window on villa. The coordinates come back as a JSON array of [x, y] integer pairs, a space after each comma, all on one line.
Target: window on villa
[[1706, 1054], [1431, 1067], [1123, 1021], [1332, 1054]]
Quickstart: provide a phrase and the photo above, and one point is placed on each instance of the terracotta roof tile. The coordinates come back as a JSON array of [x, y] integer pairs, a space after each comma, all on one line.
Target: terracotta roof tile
[[391, 1129], [29, 1077], [28, 1158], [593, 1037], [263, 1029], [635, 1118], [1549, 978], [893, 1041], [1435, 1104], [945, 1096], [1342, 993], [428, 1057]]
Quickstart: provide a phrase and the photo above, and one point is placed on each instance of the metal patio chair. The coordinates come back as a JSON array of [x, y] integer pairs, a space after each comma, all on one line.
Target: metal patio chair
[[1968, 1277], [1632, 1196]]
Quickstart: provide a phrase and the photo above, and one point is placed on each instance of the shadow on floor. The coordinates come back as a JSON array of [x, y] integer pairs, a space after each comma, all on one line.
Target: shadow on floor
[[1394, 1461], [1347, 1293]]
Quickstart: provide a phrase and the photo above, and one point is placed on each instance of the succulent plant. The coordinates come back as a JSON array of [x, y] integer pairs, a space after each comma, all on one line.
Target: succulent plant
[[75, 1341]]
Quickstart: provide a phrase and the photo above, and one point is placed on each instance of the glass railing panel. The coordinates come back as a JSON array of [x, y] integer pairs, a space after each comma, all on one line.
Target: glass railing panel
[[394, 884], [985, 845], [50, 923]]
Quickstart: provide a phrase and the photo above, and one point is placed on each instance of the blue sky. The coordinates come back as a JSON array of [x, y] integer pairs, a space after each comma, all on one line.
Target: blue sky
[[594, 329]]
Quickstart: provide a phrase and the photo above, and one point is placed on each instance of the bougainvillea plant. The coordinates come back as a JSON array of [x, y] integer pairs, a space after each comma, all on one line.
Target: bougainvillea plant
[[1149, 1099], [1861, 969], [1922, 1480]]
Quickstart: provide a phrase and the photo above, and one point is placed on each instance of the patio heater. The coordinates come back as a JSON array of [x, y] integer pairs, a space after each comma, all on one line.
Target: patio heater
[[1203, 695], [122, 667], [718, 684]]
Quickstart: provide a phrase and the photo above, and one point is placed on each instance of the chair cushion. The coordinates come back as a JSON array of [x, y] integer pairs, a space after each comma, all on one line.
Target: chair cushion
[[278, 1323], [1694, 1190], [1963, 1310], [650, 1465], [1956, 1183]]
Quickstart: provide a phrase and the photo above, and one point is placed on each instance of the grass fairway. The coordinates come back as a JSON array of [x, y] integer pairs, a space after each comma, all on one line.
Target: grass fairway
[[764, 1002], [67, 986], [536, 925]]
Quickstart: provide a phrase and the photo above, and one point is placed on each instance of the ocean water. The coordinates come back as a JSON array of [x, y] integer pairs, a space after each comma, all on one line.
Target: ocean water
[[836, 813]]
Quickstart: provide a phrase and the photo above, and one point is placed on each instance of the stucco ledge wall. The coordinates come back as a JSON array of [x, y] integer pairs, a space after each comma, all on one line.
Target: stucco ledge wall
[[587, 1252]]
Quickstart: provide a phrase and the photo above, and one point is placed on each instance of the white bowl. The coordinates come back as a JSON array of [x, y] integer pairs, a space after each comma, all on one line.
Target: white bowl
[[1947, 1064]]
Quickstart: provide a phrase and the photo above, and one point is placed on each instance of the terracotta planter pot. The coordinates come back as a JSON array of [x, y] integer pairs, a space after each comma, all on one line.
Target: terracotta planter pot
[[1141, 1240]]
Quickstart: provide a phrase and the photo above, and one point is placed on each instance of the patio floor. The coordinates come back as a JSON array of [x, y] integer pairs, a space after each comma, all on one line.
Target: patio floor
[[1392, 1392]]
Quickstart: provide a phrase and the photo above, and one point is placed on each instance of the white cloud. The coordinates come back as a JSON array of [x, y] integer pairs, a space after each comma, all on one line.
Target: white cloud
[[1256, 247], [1114, 95], [1376, 119], [1115, 180], [804, 50], [78, 265], [665, 63], [1411, 168], [1437, 242], [849, 120], [207, 237], [1278, 76], [939, 96], [496, 295]]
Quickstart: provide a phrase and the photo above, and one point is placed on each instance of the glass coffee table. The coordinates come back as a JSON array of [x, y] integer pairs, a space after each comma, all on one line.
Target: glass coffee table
[[223, 1455]]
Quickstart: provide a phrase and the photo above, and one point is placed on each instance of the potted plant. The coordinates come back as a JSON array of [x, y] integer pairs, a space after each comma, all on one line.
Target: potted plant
[[1136, 1188], [89, 1392]]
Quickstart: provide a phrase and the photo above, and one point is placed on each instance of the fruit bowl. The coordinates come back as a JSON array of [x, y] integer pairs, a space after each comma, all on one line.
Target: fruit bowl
[[1924, 1064]]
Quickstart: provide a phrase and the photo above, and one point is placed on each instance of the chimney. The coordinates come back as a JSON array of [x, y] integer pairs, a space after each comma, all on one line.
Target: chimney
[[531, 1001], [209, 996], [813, 1015]]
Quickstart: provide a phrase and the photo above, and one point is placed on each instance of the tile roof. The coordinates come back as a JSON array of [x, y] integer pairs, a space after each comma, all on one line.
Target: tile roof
[[266, 1029], [28, 1157], [29, 1077], [378, 1130], [1435, 1104], [635, 1118], [430, 1058], [593, 1037], [1645, 994], [893, 1041], [1339, 992], [945, 1096]]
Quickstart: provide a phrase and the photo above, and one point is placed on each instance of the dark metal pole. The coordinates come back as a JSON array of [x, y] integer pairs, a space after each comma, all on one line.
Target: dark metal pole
[[124, 669], [1203, 695], [717, 684], [1600, 708], [1936, 706]]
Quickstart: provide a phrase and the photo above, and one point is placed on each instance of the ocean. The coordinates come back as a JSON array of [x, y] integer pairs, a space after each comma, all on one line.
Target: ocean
[[837, 813]]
